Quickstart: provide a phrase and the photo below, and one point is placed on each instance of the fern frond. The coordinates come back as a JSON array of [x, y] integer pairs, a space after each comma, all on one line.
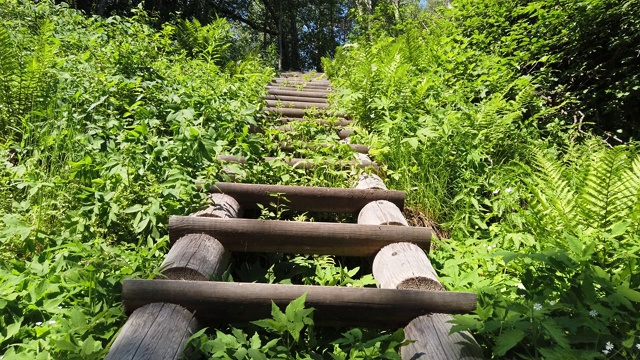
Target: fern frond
[[602, 199], [9, 67], [631, 193], [554, 198]]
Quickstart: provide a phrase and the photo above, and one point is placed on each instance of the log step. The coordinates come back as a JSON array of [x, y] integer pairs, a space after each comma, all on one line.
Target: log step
[[297, 98], [307, 198], [362, 149], [303, 163], [295, 92], [296, 104], [339, 122], [224, 302], [341, 239]]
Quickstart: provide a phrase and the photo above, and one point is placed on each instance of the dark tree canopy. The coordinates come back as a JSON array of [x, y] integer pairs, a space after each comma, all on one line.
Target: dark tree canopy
[[302, 31]]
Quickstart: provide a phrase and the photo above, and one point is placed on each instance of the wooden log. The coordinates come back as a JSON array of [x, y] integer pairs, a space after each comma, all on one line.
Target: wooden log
[[155, 331], [296, 104], [372, 181], [345, 133], [405, 266], [297, 98], [297, 113], [295, 92], [329, 122], [241, 302], [362, 149], [306, 198], [223, 206], [249, 235], [195, 257], [299, 80], [381, 212], [198, 256], [300, 163], [435, 341]]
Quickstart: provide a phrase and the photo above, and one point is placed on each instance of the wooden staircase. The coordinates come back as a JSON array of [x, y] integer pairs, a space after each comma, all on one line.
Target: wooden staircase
[[164, 313]]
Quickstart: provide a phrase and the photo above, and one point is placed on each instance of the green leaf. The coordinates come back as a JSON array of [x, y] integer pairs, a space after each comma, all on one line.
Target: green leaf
[[555, 332], [630, 294], [256, 354], [508, 340]]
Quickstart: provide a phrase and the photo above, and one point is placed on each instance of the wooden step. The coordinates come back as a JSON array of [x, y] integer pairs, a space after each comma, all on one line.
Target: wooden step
[[307, 164], [296, 92], [339, 122], [296, 104], [297, 113], [250, 235], [226, 302], [307, 198], [362, 149], [296, 98]]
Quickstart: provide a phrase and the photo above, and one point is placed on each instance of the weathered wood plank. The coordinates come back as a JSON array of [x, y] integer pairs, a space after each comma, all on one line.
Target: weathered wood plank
[[239, 302], [363, 149], [306, 198], [155, 331], [249, 235]]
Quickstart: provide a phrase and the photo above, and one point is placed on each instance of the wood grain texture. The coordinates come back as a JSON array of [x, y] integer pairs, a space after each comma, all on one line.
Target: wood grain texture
[[222, 206], [195, 257], [240, 302], [405, 266], [435, 342], [381, 212], [371, 181], [155, 331], [249, 235], [306, 198]]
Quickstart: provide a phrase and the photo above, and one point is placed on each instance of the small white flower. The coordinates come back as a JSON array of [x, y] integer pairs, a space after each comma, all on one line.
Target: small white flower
[[537, 306], [638, 346], [522, 296], [496, 191], [552, 302], [593, 313], [508, 190], [489, 247], [605, 351], [520, 286], [51, 322], [608, 345], [39, 323]]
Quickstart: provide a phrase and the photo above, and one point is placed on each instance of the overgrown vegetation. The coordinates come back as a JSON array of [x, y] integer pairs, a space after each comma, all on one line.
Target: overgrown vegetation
[[106, 124], [543, 215]]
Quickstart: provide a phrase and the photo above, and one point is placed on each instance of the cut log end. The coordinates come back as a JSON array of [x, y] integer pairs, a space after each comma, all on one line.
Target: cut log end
[[420, 283]]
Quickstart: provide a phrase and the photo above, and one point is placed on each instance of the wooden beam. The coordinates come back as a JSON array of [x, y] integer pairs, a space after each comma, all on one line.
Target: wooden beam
[[276, 90], [306, 198], [307, 164], [249, 235], [363, 149], [297, 113], [328, 122], [240, 302], [311, 99], [155, 331], [296, 104]]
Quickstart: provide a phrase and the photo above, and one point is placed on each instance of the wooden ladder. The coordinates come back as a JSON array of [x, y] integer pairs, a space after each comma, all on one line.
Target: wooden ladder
[[163, 314]]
